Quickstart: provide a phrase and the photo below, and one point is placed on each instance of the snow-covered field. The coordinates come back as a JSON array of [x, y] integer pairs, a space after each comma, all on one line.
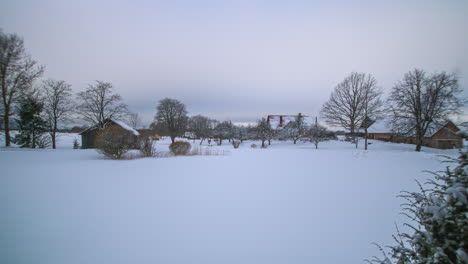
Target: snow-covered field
[[285, 204]]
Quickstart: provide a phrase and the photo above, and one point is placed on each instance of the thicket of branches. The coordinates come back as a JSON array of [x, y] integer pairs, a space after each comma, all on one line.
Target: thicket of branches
[[438, 222]]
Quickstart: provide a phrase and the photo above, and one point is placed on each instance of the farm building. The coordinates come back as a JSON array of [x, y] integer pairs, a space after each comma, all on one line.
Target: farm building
[[89, 135], [441, 135], [280, 121]]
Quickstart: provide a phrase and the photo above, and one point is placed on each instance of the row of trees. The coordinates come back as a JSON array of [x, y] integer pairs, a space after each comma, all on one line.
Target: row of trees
[[41, 107], [172, 119], [416, 103]]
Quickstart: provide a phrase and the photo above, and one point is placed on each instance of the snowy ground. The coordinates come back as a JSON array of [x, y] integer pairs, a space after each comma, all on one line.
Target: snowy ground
[[285, 204]]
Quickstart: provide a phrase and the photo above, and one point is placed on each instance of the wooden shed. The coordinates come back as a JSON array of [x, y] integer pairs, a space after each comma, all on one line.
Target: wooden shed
[[441, 135], [444, 137], [88, 136]]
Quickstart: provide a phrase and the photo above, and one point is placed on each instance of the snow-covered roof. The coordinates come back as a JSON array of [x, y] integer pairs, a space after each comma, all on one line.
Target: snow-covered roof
[[275, 120], [379, 126], [126, 127], [117, 122]]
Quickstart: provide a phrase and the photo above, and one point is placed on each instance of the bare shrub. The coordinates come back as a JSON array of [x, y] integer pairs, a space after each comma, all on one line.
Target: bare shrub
[[145, 145], [113, 142], [180, 148], [43, 141], [235, 143], [201, 151], [253, 146]]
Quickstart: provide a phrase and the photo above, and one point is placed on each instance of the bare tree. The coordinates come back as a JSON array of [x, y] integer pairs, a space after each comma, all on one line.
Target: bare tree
[[223, 130], [17, 74], [172, 115], [57, 105], [419, 101], [263, 130], [295, 129], [318, 133], [354, 98], [135, 120], [200, 126], [99, 102]]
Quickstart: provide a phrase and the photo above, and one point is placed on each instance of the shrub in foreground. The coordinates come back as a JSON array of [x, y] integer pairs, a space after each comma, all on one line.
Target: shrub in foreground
[[145, 145], [438, 221], [236, 143], [113, 142], [180, 148]]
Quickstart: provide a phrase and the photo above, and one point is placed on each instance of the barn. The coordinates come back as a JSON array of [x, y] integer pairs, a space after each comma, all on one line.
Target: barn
[[88, 136], [442, 135]]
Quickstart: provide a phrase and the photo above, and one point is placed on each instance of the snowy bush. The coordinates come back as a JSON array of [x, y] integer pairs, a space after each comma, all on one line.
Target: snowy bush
[[180, 148], [235, 143], [113, 142], [440, 214], [253, 146], [145, 145]]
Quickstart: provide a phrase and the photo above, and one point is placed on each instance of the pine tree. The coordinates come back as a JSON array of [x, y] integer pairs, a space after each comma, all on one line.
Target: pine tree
[[76, 145], [31, 124], [441, 216]]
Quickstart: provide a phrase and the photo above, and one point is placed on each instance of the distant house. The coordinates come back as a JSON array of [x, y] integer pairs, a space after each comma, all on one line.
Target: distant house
[[88, 136], [442, 135], [379, 130], [280, 121]]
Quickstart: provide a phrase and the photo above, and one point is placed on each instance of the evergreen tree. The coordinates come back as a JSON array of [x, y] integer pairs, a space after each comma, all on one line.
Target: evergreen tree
[[440, 214], [76, 145], [31, 124]]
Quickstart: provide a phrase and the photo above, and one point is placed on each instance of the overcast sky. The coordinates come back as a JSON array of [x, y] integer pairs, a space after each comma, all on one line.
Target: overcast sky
[[238, 60]]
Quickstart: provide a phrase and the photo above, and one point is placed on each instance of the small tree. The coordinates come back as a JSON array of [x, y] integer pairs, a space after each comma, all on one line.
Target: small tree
[[263, 129], [57, 105], [76, 145], [295, 129], [439, 222], [223, 130], [317, 134], [145, 145], [30, 122], [113, 142], [172, 115], [200, 126]]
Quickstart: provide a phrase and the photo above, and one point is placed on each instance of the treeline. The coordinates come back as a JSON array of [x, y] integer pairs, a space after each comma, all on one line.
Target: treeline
[[38, 108], [172, 120]]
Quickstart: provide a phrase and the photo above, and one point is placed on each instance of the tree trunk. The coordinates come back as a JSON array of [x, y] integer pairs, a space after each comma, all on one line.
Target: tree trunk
[[33, 140], [263, 143], [172, 139], [419, 143], [419, 139], [295, 141], [269, 142], [6, 122], [365, 139], [53, 140], [201, 141], [54, 132]]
